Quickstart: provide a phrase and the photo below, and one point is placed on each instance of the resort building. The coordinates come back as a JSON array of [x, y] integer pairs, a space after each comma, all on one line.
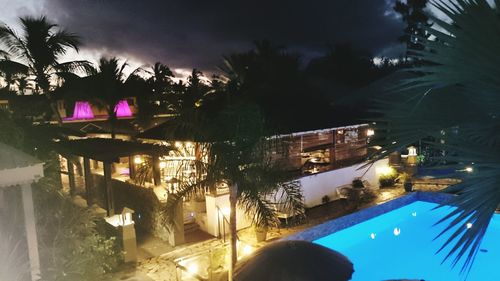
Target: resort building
[[111, 174]]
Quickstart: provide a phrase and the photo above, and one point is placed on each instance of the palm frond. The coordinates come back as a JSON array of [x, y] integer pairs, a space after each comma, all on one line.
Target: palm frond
[[83, 66], [451, 102], [14, 43], [13, 67]]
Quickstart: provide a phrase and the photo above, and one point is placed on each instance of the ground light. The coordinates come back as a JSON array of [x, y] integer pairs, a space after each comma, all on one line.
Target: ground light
[[385, 170]]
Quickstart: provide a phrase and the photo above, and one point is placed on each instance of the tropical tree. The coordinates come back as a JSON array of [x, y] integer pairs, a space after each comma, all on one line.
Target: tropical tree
[[160, 91], [161, 79], [453, 103], [71, 239], [108, 85], [238, 141], [38, 50], [417, 21], [13, 74]]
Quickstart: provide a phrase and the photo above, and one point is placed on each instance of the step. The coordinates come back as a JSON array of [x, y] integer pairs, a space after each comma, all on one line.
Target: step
[[191, 227]]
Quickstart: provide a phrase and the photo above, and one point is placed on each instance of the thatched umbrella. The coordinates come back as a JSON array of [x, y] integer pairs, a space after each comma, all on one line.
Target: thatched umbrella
[[294, 261]]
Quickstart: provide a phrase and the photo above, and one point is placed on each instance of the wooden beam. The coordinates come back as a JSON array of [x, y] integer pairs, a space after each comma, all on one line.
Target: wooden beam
[[89, 181], [131, 166], [108, 189], [71, 177], [156, 170]]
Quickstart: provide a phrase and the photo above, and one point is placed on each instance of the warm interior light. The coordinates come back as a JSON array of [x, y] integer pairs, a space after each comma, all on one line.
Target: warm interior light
[[138, 160], [370, 132], [178, 158], [192, 268], [384, 170], [163, 165], [412, 151], [178, 144], [469, 169], [247, 250]]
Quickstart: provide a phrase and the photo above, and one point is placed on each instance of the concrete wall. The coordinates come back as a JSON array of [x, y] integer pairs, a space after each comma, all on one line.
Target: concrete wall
[[210, 223], [316, 186]]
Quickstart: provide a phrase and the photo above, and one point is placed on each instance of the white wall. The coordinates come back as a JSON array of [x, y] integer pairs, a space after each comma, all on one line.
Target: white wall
[[315, 187], [213, 215]]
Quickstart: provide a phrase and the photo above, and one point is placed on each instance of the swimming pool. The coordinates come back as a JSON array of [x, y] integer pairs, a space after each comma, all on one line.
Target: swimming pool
[[399, 244]]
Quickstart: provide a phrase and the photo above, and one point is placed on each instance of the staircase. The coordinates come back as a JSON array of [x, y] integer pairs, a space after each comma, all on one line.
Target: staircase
[[191, 227]]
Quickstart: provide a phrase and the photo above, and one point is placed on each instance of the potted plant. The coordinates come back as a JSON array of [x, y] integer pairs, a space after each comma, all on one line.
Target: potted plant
[[260, 233], [358, 183], [387, 180], [407, 184]]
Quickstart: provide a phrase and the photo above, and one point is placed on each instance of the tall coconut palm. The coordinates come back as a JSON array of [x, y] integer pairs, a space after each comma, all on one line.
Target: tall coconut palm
[[452, 103], [38, 50], [237, 142], [109, 85], [159, 92]]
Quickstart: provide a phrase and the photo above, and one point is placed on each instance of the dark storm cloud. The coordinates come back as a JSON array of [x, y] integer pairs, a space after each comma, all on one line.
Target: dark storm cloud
[[188, 34]]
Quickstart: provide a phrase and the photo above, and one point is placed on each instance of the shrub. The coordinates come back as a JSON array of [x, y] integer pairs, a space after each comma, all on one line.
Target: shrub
[[357, 183], [72, 246], [387, 180]]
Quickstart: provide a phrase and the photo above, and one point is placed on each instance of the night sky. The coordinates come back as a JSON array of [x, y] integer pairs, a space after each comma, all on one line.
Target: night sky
[[185, 34]]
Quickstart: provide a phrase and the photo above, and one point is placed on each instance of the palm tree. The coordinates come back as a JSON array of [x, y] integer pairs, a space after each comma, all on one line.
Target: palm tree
[[237, 142], [37, 51], [13, 73], [453, 104], [159, 92], [109, 85]]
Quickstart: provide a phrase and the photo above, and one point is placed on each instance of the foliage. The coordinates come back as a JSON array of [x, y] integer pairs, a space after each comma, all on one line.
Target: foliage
[[237, 156], [453, 105], [416, 19], [10, 132], [387, 180], [37, 52], [404, 177], [347, 68], [70, 244], [270, 77], [358, 183]]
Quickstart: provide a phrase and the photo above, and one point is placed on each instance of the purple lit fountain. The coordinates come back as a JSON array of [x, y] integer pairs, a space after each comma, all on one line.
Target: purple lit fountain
[[122, 109], [82, 111]]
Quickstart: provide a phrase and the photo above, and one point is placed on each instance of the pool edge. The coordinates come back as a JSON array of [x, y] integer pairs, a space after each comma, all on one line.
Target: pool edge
[[349, 220]]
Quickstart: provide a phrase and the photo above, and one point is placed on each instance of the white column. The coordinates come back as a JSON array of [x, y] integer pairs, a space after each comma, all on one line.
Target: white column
[[29, 221]]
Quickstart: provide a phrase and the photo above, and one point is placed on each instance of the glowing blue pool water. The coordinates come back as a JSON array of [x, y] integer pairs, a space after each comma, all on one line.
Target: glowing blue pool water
[[399, 244]]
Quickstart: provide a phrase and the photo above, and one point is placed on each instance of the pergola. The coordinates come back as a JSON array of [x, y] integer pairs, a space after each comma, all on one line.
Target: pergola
[[20, 170], [108, 151]]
